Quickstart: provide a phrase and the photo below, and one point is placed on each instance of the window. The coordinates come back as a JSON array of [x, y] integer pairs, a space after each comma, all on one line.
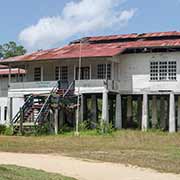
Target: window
[[61, 73], [5, 113], [37, 74], [84, 74], [163, 70], [104, 71]]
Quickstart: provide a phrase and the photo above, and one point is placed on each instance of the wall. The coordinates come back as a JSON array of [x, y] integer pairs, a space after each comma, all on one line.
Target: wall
[[134, 72], [49, 67], [3, 104]]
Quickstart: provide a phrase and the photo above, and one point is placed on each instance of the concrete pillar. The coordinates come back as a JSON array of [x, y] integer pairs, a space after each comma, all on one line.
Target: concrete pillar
[[178, 119], [145, 112], [105, 110], [56, 123], [162, 113], [139, 111], [172, 122], [154, 112], [129, 109], [9, 111], [94, 108], [118, 121]]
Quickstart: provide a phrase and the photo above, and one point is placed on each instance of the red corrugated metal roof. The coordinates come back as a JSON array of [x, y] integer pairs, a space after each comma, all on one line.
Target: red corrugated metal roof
[[13, 71], [100, 49], [134, 36]]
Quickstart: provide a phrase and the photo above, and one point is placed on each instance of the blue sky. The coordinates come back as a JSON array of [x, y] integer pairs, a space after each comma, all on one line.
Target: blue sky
[[58, 21]]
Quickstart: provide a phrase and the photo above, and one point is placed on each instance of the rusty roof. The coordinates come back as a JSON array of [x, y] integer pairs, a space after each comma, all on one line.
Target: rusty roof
[[13, 71], [99, 49]]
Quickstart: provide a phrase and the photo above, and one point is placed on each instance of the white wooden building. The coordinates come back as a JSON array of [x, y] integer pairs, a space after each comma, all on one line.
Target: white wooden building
[[137, 76]]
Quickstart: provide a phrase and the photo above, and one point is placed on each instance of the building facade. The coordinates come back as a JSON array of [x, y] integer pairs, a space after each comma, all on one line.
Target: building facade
[[132, 81]]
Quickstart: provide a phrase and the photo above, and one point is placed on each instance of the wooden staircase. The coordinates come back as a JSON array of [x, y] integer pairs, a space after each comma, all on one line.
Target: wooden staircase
[[37, 107]]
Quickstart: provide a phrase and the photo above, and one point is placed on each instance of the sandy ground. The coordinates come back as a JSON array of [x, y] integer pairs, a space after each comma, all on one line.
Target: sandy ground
[[83, 170]]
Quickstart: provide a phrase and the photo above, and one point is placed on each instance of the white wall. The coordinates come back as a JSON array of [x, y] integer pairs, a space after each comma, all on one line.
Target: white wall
[[3, 104], [134, 72]]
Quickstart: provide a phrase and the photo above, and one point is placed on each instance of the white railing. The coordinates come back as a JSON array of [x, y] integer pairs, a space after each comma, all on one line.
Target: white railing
[[33, 85], [109, 84]]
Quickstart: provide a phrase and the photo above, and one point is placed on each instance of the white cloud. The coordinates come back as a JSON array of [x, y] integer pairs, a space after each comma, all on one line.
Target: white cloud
[[78, 17]]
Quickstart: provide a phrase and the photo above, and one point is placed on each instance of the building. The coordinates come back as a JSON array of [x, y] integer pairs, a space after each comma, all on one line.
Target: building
[[136, 77], [16, 76]]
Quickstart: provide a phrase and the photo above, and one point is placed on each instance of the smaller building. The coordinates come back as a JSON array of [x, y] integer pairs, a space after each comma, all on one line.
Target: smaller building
[[16, 75]]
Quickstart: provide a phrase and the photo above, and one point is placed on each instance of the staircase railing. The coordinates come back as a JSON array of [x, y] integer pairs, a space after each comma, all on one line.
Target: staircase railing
[[69, 88], [28, 104], [43, 113]]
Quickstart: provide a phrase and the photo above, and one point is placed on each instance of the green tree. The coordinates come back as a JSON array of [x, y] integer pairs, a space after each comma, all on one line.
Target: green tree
[[11, 49]]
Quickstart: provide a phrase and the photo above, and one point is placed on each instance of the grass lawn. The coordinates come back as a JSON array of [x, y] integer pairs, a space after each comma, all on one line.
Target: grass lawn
[[19, 173], [157, 150]]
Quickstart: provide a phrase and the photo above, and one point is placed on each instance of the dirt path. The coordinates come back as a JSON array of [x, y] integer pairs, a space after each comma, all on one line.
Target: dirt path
[[83, 170]]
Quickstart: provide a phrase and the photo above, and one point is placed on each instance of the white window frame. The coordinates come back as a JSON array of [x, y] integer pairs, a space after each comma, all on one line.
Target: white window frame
[[59, 70], [40, 75], [163, 70], [104, 71]]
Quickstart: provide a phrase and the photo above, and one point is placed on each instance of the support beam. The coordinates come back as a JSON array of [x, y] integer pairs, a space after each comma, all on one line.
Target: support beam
[[56, 123], [172, 123], [154, 112], [82, 108], [105, 110], [145, 112], [178, 121], [118, 121], [94, 109]]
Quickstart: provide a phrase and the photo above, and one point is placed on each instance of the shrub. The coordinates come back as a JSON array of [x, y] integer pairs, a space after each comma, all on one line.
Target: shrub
[[43, 129], [65, 128], [2, 129], [9, 131], [104, 128], [84, 125]]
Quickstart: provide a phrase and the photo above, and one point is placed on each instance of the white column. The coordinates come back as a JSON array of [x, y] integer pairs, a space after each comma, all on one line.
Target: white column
[[178, 122], [9, 111], [56, 123], [145, 112], [105, 110], [118, 122], [154, 111], [172, 123]]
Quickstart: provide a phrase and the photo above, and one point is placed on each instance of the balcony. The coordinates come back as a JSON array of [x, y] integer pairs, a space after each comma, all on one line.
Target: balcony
[[82, 86]]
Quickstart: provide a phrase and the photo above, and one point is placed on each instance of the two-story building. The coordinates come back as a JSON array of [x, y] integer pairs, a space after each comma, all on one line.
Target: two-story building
[[130, 80]]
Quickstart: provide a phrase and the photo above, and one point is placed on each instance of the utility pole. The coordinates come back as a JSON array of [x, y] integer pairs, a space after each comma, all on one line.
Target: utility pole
[[78, 100]]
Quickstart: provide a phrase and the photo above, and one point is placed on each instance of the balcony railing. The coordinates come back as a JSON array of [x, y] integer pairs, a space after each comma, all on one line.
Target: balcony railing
[[108, 84]]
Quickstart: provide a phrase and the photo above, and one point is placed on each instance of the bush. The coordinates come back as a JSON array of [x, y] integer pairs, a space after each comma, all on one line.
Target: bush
[[2, 129], [65, 128], [84, 125], [104, 128], [43, 129], [9, 131]]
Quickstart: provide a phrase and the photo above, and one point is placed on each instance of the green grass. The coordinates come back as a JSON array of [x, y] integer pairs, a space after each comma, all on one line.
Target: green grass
[[8, 172], [154, 149]]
